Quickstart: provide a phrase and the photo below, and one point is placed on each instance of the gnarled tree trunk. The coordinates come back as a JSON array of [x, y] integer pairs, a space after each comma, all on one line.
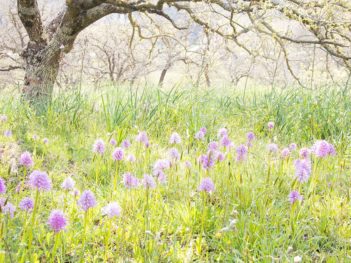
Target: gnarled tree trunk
[[42, 55], [47, 45], [42, 66]]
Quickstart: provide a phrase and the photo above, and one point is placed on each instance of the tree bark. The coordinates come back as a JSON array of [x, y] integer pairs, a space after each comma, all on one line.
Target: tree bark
[[42, 66], [162, 76]]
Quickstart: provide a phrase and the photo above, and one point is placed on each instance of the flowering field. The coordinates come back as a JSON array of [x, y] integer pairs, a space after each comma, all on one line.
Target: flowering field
[[177, 176]]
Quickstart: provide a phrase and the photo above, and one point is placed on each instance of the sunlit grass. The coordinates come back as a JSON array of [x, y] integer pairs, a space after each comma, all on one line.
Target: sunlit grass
[[247, 218]]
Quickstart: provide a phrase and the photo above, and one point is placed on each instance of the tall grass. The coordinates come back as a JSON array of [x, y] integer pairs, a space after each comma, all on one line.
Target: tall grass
[[175, 223], [300, 115]]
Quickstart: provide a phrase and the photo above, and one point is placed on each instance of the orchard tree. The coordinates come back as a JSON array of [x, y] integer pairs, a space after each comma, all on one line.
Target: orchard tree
[[327, 23]]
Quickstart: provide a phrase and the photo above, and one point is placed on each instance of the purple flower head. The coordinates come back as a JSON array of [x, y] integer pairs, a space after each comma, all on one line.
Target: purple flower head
[[99, 146], [113, 142], [87, 200], [162, 164], [250, 136], [118, 154], [131, 158], [9, 209], [68, 184], [126, 144], [241, 153], [203, 130], [7, 133], [26, 204], [199, 135], [2, 186], [285, 153], [213, 146], [207, 160], [142, 138], [174, 154], [45, 140], [161, 177], [332, 150], [292, 147], [57, 221], [112, 210], [26, 160], [304, 153], [220, 156], [157, 172], [188, 164], [206, 185], [272, 148], [270, 125], [175, 138], [295, 196], [222, 132], [3, 118], [323, 148], [149, 181], [130, 181], [40, 181], [302, 169], [226, 142], [35, 137]]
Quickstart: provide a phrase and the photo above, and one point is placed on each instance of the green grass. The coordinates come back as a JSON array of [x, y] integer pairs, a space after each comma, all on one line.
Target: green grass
[[177, 223]]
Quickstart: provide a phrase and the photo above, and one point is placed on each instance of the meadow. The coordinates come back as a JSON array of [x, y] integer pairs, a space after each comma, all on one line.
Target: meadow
[[177, 175]]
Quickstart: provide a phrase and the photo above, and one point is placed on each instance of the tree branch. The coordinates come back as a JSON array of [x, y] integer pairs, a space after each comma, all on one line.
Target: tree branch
[[54, 24], [29, 14], [10, 68]]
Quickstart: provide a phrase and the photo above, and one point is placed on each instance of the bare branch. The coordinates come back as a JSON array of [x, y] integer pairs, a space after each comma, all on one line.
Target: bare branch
[[10, 68]]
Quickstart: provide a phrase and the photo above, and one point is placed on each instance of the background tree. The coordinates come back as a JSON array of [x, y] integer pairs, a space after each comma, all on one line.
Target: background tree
[[326, 25]]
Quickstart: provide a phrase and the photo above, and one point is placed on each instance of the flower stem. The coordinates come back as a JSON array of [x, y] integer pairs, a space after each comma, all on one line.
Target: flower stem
[[107, 238], [56, 244], [36, 203], [86, 217]]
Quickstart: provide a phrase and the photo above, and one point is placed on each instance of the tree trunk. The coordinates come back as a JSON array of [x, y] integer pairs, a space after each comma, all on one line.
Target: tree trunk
[[162, 77], [42, 65], [207, 76]]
